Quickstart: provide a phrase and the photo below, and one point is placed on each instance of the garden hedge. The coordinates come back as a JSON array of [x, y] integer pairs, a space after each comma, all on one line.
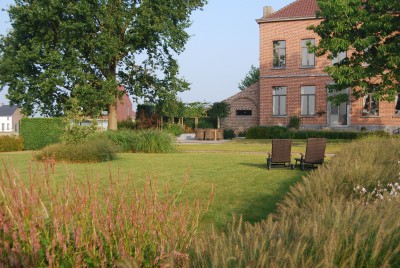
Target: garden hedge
[[40, 132]]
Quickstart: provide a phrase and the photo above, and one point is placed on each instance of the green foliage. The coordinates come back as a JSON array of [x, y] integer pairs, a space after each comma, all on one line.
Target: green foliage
[[229, 134], [278, 132], [40, 132], [90, 151], [195, 109], [146, 116], [60, 50], [174, 129], [75, 134], [11, 143], [70, 223], [368, 32], [251, 78], [170, 107], [141, 141], [207, 122], [127, 124], [324, 220], [268, 132], [153, 141], [294, 122], [219, 109]]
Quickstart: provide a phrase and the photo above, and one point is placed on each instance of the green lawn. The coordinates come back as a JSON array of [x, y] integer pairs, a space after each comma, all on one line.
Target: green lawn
[[235, 169]]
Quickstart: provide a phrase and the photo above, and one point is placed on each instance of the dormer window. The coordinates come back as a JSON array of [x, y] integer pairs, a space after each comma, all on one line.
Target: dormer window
[[279, 51]]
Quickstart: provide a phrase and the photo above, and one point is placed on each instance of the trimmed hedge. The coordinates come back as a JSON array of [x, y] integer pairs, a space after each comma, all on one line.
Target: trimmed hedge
[[11, 144], [279, 132], [40, 132]]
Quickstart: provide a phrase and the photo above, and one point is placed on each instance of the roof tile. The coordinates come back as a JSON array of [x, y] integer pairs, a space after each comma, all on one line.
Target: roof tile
[[297, 9]]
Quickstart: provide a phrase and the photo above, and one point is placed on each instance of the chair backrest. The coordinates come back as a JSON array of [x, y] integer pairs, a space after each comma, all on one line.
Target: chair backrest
[[315, 150], [281, 150]]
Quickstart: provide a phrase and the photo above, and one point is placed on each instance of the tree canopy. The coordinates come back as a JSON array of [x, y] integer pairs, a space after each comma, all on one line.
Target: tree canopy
[[253, 76], [84, 49], [368, 33]]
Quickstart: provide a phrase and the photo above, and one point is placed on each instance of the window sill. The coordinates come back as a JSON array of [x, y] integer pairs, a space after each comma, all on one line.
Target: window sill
[[278, 68], [308, 116], [369, 116], [308, 67], [279, 116]]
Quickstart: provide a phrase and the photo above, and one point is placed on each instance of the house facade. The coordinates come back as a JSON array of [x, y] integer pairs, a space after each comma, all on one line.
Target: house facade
[[293, 81], [9, 119]]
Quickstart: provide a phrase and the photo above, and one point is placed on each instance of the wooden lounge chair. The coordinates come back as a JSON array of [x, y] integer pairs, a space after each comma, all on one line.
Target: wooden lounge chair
[[315, 153], [281, 153], [199, 134]]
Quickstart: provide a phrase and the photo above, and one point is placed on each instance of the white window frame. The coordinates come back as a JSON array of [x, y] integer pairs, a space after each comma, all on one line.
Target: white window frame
[[307, 58], [307, 109], [279, 54], [279, 94]]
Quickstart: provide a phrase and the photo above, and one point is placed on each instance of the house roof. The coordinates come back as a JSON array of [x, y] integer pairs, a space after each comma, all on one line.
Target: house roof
[[7, 110], [300, 9]]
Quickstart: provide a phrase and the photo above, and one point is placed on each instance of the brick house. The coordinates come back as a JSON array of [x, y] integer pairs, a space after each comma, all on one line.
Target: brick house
[[9, 119], [293, 83]]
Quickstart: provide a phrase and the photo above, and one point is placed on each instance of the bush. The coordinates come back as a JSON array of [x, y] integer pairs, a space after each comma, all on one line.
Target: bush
[[229, 134], [95, 150], [268, 132], [294, 122], [40, 132], [153, 141], [11, 143], [74, 224], [174, 129], [337, 216], [76, 134], [127, 124], [141, 141]]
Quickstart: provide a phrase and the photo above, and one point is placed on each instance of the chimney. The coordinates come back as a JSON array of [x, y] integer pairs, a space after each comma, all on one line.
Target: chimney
[[268, 10]]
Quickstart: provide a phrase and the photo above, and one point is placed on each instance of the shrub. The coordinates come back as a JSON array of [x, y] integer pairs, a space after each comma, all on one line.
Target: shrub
[[323, 221], [174, 129], [76, 134], [127, 124], [123, 139], [141, 141], [11, 143], [229, 134], [268, 132], [40, 132], [294, 122], [74, 224], [95, 150], [153, 141]]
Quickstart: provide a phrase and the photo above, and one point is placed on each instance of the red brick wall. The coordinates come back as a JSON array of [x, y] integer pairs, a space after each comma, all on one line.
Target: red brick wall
[[125, 109], [247, 99], [293, 76]]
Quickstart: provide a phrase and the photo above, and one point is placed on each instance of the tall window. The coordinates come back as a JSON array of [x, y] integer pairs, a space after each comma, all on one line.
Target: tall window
[[308, 100], [279, 101], [307, 59], [370, 105], [279, 54], [397, 107], [340, 56]]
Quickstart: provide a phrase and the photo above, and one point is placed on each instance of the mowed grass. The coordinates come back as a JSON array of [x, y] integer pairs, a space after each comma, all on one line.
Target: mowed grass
[[235, 172]]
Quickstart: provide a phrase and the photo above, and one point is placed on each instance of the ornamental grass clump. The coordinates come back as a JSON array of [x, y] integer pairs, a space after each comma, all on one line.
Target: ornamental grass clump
[[323, 221], [91, 151], [77, 223]]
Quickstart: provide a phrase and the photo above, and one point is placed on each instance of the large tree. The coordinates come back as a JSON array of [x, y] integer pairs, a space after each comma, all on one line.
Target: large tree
[[369, 31], [58, 49]]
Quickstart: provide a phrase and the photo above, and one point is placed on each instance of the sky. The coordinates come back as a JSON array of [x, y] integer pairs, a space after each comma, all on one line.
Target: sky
[[224, 44]]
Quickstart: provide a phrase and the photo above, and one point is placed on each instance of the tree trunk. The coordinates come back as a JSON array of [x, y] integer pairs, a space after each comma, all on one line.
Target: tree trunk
[[218, 123], [112, 116], [196, 122]]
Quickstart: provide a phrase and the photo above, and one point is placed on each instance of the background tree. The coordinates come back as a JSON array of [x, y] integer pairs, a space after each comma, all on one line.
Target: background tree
[[85, 49], [369, 32], [195, 110], [171, 107], [218, 110], [253, 76]]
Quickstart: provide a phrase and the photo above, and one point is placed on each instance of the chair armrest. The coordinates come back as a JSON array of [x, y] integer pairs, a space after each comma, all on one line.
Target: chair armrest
[[269, 154]]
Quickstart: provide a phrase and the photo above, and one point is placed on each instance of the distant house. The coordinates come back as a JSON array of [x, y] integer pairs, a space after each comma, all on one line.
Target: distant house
[[9, 119]]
